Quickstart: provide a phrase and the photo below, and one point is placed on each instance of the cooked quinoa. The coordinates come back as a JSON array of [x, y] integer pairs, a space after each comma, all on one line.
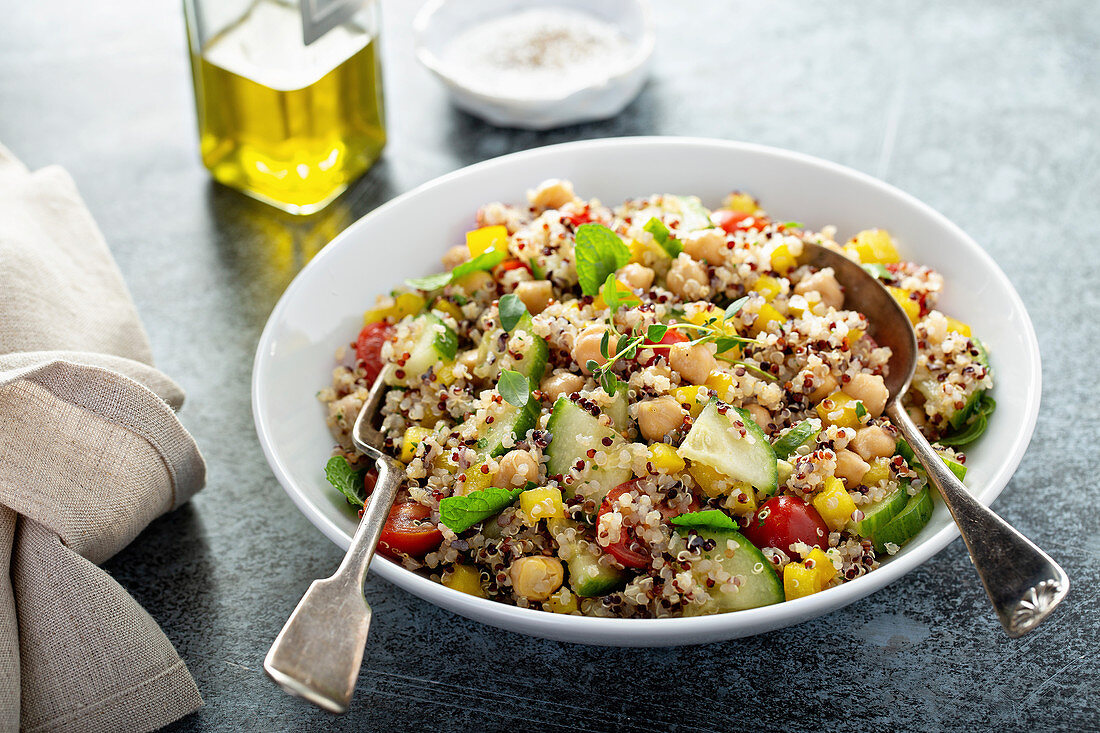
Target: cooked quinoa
[[714, 439]]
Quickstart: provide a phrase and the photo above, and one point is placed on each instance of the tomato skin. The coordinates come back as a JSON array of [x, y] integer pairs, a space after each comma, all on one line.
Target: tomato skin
[[512, 263], [628, 550], [672, 336], [733, 221], [783, 520], [405, 533], [368, 347]]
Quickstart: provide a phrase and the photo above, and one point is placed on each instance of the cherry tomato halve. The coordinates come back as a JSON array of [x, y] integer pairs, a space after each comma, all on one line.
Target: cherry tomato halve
[[368, 347], [672, 336], [407, 531], [733, 221], [629, 551], [784, 520]]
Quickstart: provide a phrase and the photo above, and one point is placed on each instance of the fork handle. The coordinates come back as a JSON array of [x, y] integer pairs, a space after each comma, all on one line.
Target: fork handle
[[318, 653], [1021, 580]]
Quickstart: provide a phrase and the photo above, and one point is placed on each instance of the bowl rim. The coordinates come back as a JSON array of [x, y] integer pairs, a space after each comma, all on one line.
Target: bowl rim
[[643, 50], [626, 631]]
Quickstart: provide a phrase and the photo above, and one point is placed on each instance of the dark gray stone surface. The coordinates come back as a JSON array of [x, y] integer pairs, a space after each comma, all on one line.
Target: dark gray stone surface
[[987, 111]]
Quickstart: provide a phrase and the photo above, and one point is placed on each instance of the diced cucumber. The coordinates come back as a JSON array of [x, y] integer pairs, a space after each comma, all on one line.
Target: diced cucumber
[[794, 439], [573, 432], [760, 585], [876, 515], [693, 215], [433, 341], [930, 387], [588, 578], [523, 351], [906, 451], [508, 421], [908, 522], [616, 407], [716, 441]]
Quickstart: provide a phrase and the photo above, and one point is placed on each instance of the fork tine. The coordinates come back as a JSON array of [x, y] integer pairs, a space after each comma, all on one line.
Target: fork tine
[[363, 434]]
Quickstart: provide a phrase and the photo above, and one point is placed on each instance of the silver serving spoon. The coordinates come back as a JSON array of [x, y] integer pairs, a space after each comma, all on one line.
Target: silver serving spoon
[[1022, 581], [318, 653]]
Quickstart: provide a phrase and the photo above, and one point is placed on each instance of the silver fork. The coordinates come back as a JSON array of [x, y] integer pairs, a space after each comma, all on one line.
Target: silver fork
[[318, 653]]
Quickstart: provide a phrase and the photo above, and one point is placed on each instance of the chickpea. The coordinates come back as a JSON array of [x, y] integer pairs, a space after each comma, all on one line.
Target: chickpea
[[693, 363], [706, 244], [823, 390], [870, 389], [850, 467], [917, 415], [535, 294], [824, 283], [455, 256], [872, 442], [636, 277], [587, 347], [536, 577], [476, 281], [688, 278], [759, 415], [517, 467], [559, 383], [552, 194], [659, 417]]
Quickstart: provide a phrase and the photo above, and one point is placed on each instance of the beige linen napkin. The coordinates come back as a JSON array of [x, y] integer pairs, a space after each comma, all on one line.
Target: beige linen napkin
[[90, 453]]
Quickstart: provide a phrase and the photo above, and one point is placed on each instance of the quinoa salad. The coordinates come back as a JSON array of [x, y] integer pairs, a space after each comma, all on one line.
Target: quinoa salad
[[650, 410]]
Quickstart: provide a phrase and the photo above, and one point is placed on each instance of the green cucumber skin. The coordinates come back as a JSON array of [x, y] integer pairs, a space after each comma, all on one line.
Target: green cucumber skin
[[794, 439], [762, 588], [907, 523], [880, 513], [429, 348], [588, 578], [533, 363], [515, 421], [904, 450]]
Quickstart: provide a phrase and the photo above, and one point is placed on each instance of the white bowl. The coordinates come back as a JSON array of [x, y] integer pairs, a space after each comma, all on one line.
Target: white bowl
[[603, 96], [322, 309]]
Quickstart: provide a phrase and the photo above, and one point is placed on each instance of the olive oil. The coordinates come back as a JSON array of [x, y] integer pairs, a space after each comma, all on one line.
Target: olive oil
[[287, 123]]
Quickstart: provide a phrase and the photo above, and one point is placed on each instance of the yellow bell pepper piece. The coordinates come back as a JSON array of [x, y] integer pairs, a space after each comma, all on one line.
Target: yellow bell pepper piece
[[839, 409], [767, 286], [541, 503], [798, 581], [465, 579], [644, 253], [766, 316], [878, 472], [720, 382], [741, 202], [782, 260], [854, 334], [874, 245], [707, 313], [567, 605], [441, 304], [834, 504], [694, 397], [958, 327], [412, 438], [744, 502], [482, 239], [664, 459], [823, 569], [376, 315], [907, 304], [476, 479], [710, 481]]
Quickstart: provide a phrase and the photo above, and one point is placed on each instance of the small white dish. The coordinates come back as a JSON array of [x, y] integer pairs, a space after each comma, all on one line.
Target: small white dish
[[323, 310], [601, 96]]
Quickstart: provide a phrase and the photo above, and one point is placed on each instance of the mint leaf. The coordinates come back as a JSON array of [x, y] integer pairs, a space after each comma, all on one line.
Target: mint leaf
[[514, 387], [725, 343], [663, 237], [511, 310], [445, 341], [656, 332], [733, 308], [609, 291], [860, 410], [599, 253], [879, 271], [706, 519], [347, 480], [487, 260], [609, 382], [460, 513]]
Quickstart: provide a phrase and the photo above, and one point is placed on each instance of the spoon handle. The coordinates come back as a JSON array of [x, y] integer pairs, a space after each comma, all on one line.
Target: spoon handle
[[1022, 581], [318, 653]]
